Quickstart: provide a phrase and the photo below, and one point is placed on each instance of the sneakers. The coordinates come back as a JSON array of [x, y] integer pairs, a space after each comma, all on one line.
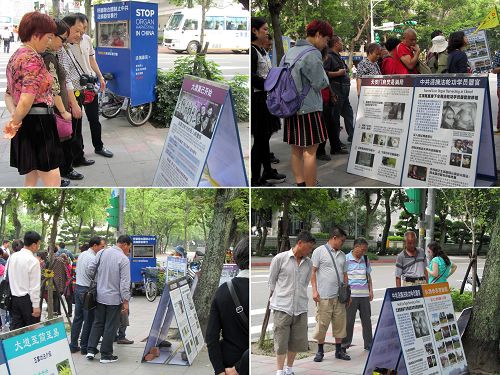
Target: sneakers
[[124, 341], [108, 359], [90, 356], [342, 355], [318, 357], [273, 176]]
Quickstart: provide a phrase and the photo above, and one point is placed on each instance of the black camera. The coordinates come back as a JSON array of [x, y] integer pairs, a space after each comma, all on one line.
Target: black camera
[[88, 81]]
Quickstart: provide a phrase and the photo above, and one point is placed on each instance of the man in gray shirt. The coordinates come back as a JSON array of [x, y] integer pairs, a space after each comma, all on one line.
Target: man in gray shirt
[[411, 263], [325, 286], [288, 280], [112, 268], [83, 318]]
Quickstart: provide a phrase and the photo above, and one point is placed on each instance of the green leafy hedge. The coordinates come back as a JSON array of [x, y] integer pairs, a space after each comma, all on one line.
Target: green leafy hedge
[[461, 301], [169, 84]]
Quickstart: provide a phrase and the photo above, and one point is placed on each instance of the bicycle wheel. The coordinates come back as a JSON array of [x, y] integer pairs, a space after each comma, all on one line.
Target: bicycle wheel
[[151, 290], [110, 105], [138, 115]]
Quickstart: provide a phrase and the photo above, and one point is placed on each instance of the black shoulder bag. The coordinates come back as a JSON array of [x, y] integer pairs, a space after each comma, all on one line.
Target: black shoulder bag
[[236, 300], [90, 296], [344, 289], [5, 294]]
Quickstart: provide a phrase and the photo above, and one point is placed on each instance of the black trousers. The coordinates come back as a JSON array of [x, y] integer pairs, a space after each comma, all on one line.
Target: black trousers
[[333, 135], [21, 311], [76, 145], [6, 45], [260, 155], [106, 323], [92, 112]]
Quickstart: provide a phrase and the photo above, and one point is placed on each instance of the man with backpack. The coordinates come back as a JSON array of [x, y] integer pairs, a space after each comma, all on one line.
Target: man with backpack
[[411, 263]]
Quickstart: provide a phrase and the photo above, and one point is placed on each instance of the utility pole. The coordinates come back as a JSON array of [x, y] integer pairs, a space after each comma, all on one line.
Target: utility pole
[[372, 27], [429, 216], [121, 211]]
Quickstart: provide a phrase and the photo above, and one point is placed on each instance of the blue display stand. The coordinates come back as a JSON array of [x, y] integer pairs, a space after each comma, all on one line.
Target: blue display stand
[[127, 47], [143, 254]]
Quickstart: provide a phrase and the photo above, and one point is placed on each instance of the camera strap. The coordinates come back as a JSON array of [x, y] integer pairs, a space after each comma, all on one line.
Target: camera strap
[[73, 60]]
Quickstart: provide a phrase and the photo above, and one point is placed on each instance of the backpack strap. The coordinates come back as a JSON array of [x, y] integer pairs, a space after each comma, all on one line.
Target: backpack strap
[[239, 308], [299, 56]]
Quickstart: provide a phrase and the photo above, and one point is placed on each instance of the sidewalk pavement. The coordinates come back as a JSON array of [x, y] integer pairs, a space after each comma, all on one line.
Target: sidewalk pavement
[[137, 151], [141, 317], [334, 172]]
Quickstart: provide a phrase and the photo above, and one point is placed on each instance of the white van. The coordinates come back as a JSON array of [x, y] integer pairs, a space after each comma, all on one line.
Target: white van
[[225, 28]]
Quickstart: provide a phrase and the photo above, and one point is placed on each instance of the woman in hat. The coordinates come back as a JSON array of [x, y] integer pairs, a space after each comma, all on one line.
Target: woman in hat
[[438, 55]]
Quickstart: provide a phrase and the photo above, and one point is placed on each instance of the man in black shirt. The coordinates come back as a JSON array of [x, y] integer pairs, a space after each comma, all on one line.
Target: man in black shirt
[[229, 355], [338, 73]]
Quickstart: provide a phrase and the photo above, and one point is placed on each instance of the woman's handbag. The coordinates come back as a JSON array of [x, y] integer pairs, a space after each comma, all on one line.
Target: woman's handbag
[[344, 289], [64, 127]]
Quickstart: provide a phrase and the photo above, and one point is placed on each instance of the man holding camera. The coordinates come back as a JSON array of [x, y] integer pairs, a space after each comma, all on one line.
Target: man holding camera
[[82, 69]]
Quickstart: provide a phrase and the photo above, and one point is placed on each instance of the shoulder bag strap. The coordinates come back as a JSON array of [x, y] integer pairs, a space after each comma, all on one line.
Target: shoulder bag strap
[[239, 308], [441, 274], [365, 257], [73, 59], [97, 267], [334, 265]]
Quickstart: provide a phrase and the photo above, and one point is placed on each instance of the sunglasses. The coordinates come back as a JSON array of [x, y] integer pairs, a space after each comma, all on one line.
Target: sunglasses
[[62, 39]]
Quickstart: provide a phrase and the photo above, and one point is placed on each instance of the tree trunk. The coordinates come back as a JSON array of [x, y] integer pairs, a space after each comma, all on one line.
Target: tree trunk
[[370, 210], [218, 241], [275, 7], [55, 218], [482, 337], [285, 223], [15, 217], [387, 226], [443, 228], [202, 27], [88, 13], [474, 264], [3, 217], [79, 232], [481, 239]]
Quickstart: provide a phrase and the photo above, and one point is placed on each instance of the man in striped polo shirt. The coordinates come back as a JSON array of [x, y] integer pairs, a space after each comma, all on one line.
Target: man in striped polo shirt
[[358, 274], [411, 263]]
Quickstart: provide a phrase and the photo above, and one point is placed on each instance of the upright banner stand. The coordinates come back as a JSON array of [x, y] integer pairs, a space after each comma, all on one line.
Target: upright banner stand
[[425, 130], [176, 301], [41, 348], [203, 144], [417, 333]]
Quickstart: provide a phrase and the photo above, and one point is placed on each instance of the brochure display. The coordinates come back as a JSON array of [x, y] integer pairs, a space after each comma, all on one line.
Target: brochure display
[[425, 130], [176, 268], [37, 349], [176, 302], [477, 50], [228, 272], [417, 333], [203, 144]]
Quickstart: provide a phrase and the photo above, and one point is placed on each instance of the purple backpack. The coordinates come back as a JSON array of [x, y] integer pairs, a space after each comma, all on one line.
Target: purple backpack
[[283, 99]]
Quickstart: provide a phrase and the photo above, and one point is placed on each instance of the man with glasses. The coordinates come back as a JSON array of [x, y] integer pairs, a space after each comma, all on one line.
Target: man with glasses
[[86, 62], [111, 269]]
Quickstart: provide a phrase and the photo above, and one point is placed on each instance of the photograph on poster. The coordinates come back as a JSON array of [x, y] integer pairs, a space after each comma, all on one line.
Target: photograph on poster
[[442, 348], [380, 140], [442, 317], [460, 355], [444, 361], [366, 138], [188, 348], [431, 361], [389, 162], [428, 348], [113, 34], [453, 329], [435, 320], [446, 332], [180, 307], [462, 145], [393, 111], [449, 345], [455, 159], [456, 342], [393, 142], [458, 116], [419, 322], [450, 317], [417, 172], [365, 158], [452, 357], [198, 113]]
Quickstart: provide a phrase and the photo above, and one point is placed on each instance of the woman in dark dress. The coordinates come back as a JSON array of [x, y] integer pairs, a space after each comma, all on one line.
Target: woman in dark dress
[[35, 148]]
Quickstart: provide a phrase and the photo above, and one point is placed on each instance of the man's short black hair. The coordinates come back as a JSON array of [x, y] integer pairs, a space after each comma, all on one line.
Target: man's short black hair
[[306, 236], [337, 232], [435, 33], [360, 241], [31, 237], [96, 240], [81, 17], [124, 239], [70, 20], [5, 241], [62, 245], [240, 254]]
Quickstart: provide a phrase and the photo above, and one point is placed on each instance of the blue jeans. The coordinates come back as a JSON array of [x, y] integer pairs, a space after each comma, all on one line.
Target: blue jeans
[[83, 318]]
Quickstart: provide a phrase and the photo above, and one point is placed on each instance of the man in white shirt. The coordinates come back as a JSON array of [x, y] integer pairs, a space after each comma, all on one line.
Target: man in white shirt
[[85, 57], [5, 247], [23, 271]]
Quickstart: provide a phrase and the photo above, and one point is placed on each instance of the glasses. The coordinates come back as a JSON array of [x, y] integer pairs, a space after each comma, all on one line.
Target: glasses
[[62, 39]]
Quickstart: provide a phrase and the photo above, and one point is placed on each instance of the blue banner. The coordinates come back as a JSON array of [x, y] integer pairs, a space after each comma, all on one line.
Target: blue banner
[[143, 240]]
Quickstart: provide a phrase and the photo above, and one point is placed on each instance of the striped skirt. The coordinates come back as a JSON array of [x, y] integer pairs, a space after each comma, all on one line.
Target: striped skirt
[[305, 130]]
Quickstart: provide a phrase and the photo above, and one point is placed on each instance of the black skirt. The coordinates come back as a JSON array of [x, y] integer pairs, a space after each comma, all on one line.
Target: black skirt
[[305, 130], [263, 122], [36, 146]]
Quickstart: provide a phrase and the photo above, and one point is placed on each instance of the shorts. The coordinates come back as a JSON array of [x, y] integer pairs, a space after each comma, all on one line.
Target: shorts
[[330, 310], [416, 282], [290, 333]]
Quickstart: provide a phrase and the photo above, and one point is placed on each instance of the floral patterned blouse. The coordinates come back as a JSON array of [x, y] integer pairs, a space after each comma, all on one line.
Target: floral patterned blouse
[[26, 73]]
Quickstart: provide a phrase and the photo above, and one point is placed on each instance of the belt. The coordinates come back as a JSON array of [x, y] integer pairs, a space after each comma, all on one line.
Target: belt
[[41, 111], [413, 279]]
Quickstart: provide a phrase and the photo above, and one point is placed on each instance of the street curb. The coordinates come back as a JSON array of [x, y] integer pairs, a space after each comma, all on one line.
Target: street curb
[[379, 261]]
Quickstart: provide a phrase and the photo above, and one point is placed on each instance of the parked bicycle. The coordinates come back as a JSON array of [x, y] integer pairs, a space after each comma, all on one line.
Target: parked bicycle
[[150, 282], [110, 106]]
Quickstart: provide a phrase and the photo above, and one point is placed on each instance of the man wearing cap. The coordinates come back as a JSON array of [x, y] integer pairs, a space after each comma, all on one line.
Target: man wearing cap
[[180, 252], [438, 55]]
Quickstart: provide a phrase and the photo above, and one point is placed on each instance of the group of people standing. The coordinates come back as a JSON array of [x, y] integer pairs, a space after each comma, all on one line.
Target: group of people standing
[[317, 66], [328, 270], [46, 92]]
